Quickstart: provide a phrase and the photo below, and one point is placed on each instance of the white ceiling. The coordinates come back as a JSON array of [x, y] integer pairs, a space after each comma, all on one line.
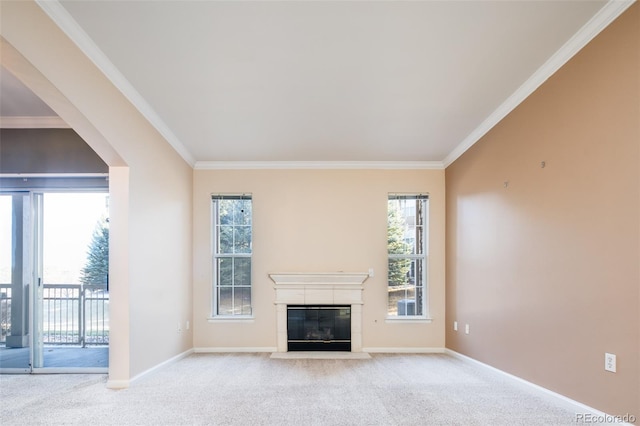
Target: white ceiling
[[327, 80]]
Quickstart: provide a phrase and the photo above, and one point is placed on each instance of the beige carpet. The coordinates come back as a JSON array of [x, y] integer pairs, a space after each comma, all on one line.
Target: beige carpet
[[254, 389]]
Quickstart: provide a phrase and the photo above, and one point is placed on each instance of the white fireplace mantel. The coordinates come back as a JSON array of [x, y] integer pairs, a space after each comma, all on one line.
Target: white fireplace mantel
[[323, 288], [320, 278]]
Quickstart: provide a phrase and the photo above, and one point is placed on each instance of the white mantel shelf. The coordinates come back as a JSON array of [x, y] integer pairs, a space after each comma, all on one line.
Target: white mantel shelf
[[313, 288], [320, 278], [319, 288]]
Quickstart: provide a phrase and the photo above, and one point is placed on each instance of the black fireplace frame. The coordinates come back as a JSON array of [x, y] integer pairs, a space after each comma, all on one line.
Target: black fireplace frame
[[318, 342]]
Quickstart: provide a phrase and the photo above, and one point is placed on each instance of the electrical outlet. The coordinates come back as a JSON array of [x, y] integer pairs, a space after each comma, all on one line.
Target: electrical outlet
[[455, 326], [466, 329], [371, 273], [610, 362], [187, 325]]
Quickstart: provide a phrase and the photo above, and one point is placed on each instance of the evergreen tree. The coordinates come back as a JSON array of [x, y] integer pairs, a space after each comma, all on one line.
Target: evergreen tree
[[96, 270], [398, 268]]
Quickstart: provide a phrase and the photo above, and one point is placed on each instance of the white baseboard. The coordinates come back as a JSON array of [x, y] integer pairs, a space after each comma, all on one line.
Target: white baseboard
[[573, 404], [123, 384], [118, 384], [404, 350], [212, 350]]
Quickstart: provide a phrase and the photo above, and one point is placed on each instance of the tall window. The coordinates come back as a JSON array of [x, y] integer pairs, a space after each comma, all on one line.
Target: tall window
[[407, 247], [232, 255]]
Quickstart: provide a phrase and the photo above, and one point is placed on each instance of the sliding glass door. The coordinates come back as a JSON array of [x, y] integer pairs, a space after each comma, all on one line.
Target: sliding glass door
[[16, 248], [75, 301], [54, 295]]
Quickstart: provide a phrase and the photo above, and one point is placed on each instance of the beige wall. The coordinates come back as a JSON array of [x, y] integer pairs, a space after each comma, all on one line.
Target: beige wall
[[317, 221], [151, 190], [545, 270]]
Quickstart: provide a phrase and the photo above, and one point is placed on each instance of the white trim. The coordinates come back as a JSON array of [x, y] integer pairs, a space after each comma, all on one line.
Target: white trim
[[322, 165], [72, 29], [118, 384], [231, 318], [407, 319], [215, 350], [571, 403], [592, 28], [123, 384], [323, 279], [405, 350], [52, 122]]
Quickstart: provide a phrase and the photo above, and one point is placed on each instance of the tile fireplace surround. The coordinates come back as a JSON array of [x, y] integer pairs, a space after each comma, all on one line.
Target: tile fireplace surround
[[329, 288]]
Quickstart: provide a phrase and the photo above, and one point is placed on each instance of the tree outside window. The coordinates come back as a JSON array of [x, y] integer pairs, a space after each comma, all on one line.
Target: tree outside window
[[407, 250], [232, 255]]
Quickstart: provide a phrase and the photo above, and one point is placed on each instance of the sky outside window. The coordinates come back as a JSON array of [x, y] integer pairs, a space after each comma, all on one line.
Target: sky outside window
[[69, 222], [68, 225]]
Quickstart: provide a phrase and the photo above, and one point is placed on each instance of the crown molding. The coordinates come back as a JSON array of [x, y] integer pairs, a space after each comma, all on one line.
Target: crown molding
[[72, 29], [318, 165], [607, 14], [592, 28], [53, 122]]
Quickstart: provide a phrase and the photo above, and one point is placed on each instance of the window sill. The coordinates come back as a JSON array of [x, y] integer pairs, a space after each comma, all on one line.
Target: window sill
[[408, 320], [231, 318]]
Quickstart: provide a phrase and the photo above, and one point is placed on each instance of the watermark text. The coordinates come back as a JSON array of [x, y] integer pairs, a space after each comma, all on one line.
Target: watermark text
[[585, 418]]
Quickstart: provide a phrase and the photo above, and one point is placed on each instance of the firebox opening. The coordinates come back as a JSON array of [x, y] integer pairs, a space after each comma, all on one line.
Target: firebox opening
[[319, 328]]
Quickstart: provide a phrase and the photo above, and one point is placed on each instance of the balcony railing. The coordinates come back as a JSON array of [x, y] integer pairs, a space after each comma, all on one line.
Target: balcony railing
[[5, 311], [72, 314]]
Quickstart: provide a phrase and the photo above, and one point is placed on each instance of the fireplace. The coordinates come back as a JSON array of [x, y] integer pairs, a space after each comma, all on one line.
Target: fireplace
[[321, 292], [318, 328]]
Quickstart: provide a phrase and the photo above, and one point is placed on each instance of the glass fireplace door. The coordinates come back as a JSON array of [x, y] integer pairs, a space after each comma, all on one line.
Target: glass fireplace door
[[319, 328]]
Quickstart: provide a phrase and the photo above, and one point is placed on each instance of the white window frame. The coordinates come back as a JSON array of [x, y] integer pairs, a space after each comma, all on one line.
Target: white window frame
[[216, 254], [422, 257]]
